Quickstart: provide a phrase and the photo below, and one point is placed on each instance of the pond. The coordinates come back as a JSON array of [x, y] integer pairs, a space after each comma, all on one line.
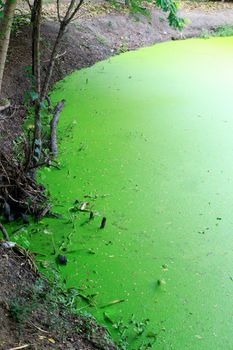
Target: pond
[[146, 138]]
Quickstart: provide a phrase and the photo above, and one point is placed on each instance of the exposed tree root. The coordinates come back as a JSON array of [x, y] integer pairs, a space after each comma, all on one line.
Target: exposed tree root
[[19, 191]]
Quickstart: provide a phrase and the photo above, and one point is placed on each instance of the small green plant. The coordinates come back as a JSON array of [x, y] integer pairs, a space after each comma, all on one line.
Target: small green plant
[[205, 34], [4, 102], [123, 48], [20, 20], [18, 311], [21, 309], [101, 39], [121, 328], [130, 332], [222, 31], [139, 327]]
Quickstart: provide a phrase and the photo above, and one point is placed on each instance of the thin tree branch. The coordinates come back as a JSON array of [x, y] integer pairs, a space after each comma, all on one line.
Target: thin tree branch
[[4, 232], [58, 11], [75, 11], [64, 23], [5, 31], [29, 4], [36, 36], [71, 5]]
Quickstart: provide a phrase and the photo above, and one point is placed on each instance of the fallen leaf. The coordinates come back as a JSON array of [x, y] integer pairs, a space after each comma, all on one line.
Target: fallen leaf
[[51, 340]]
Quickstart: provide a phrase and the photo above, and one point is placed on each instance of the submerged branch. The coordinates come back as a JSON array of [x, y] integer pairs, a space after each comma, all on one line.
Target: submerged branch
[[54, 122]]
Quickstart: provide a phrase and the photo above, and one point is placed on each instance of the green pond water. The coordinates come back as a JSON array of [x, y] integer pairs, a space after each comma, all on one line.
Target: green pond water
[[147, 139]]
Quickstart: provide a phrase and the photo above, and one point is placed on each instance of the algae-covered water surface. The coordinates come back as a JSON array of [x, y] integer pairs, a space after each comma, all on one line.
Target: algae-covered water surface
[[147, 139]]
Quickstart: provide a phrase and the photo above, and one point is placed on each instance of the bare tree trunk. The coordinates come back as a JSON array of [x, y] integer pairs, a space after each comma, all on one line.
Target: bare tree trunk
[[49, 70], [70, 14], [36, 72], [53, 124], [37, 142], [72, 10], [5, 31], [33, 9], [36, 37]]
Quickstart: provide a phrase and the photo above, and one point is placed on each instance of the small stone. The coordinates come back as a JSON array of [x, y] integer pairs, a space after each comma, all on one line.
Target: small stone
[[8, 244], [103, 223], [161, 282], [62, 259]]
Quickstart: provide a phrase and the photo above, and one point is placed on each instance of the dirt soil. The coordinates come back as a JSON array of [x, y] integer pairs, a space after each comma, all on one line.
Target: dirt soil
[[26, 316], [32, 314]]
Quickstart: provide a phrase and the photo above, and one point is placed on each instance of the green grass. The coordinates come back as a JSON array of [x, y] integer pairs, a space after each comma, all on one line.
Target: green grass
[[226, 30], [222, 31]]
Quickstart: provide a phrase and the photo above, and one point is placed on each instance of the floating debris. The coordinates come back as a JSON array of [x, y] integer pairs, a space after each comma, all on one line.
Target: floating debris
[[103, 222], [151, 334], [62, 259], [44, 264], [80, 206], [107, 318], [198, 336], [113, 302], [84, 206], [161, 282], [88, 298], [165, 267]]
